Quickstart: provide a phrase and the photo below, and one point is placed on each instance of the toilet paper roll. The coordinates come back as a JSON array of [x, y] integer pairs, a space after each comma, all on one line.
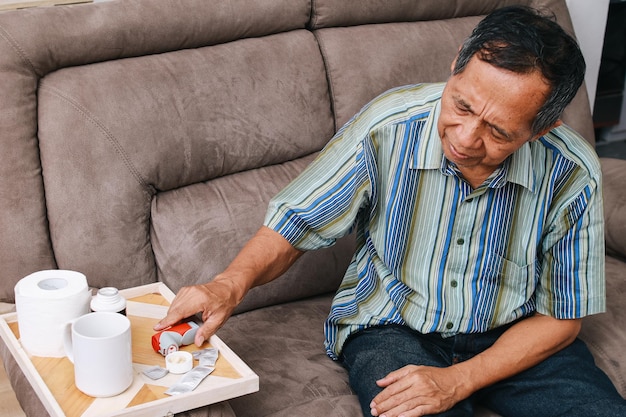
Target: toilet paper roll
[[45, 301]]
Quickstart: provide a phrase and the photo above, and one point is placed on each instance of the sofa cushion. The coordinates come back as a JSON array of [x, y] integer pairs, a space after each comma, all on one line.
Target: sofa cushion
[[364, 61], [284, 345], [598, 331], [205, 113], [197, 229], [614, 203]]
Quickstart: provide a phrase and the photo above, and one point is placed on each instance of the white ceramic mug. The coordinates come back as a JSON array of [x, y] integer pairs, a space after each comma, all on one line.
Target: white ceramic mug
[[99, 345]]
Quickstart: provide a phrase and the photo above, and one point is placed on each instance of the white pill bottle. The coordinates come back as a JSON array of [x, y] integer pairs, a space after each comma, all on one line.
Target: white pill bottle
[[108, 299]]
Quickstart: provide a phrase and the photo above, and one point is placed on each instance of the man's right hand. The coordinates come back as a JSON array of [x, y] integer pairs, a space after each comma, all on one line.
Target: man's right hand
[[216, 301]]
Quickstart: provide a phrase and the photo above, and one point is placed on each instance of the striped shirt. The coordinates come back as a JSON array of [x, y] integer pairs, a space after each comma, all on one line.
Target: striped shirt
[[432, 252]]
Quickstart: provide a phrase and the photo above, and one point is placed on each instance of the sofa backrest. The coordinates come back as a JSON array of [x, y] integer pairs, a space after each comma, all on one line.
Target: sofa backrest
[[142, 140]]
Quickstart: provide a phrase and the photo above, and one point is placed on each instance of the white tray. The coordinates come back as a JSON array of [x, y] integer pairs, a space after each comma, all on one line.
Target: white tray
[[53, 378]]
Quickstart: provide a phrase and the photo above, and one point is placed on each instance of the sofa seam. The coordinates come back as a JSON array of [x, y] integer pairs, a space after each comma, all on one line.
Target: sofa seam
[[150, 190], [313, 18], [329, 81], [18, 50]]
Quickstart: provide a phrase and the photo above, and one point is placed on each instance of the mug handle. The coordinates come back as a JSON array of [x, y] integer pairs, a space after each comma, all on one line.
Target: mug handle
[[67, 340]]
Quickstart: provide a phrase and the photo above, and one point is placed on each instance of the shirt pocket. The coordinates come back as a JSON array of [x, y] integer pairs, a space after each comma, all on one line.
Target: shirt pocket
[[512, 285]]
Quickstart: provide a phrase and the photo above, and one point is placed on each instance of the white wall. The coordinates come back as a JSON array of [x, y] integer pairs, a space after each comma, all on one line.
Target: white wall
[[589, 20]]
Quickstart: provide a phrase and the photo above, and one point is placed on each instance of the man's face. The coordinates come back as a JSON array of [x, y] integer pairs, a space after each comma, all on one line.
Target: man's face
[[486, 115]]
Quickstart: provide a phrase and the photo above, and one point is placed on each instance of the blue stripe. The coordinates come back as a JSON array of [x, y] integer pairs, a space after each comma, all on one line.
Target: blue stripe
[[442, 265]]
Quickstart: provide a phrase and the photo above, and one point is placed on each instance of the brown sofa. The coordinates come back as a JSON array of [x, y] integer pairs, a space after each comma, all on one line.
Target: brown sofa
[[141, 141]]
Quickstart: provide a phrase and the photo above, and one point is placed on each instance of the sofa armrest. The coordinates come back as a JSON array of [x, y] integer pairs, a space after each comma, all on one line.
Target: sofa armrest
[[614, 176]]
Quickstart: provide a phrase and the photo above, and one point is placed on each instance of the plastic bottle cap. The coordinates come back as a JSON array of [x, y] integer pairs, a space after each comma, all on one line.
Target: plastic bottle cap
[[179, 362], [108, 299]]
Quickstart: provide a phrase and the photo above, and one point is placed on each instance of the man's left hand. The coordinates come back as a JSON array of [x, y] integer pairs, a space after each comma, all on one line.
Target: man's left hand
[[414, 391]]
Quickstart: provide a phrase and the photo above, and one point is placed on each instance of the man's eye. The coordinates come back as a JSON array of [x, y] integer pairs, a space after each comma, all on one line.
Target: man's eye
[[497, 134]]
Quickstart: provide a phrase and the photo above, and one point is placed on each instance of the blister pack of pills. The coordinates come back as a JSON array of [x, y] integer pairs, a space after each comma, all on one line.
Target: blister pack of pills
[[190, 380], [206, 357]]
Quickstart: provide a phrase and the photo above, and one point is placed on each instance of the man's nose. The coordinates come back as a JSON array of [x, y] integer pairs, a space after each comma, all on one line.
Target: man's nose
[[470, 134]]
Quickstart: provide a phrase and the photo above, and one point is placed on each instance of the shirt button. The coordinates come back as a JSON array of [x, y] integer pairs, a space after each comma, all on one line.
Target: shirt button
[[454, 283], [469, 200], [449, 325], [460, 241]]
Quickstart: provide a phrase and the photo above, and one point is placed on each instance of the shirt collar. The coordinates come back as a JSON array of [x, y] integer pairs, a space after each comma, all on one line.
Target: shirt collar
[[428, 154], [520, 170]]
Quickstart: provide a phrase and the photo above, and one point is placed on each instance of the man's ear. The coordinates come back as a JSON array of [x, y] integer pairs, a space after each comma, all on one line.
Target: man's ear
[[456, 57], [546, 130], [453, 64]]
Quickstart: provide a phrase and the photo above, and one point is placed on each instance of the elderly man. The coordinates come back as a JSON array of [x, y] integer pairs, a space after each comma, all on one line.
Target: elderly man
[[479, 237]]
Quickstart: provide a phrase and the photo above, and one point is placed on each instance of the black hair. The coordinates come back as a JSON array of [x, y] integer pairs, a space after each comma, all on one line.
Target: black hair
[[522, 39]]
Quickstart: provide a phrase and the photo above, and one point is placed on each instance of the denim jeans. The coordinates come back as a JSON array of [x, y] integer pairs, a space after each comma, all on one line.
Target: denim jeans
[[566, 384]]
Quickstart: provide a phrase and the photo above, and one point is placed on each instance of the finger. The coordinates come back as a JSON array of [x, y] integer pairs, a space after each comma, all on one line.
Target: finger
[[204, 333], [401, 404], [394, 376], [212, 321], [411, 409], [396, 386], [174, 315], [184, 305], [386, 381], [383, 401], [169, 320]]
